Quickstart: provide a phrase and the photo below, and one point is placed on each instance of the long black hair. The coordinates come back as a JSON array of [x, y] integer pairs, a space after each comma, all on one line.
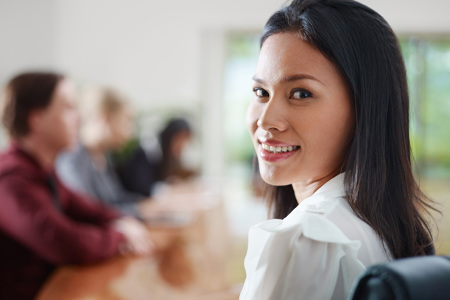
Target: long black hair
[[168, 163], [379, 182]]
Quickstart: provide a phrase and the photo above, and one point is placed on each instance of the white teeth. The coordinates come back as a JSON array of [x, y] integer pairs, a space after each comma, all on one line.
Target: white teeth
[[279, 149]]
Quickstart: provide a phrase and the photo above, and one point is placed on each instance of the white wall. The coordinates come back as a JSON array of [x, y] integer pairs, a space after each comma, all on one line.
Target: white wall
[[151, 49], [414, 16], [27, 36]]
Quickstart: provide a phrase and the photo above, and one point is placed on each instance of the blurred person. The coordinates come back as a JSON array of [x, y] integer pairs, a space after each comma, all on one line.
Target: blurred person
[[43, 224], [146, 166], [107, 124], [330, 126], [173, 140]]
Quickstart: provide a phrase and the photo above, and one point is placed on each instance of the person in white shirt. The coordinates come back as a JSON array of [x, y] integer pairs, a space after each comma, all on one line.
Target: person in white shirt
[[330, 126]]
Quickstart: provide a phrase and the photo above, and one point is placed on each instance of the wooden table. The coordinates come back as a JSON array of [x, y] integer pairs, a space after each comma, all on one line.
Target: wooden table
[[191, 261]]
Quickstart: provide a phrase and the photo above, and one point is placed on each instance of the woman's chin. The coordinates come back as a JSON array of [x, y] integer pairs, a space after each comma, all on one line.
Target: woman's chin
[[272, 180]]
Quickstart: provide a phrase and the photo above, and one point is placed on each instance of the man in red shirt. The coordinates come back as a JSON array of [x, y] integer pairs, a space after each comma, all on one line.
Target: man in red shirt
[[42, 223]]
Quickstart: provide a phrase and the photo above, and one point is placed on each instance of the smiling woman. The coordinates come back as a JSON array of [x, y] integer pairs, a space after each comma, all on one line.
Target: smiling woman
[[311, 113], [330, 126]]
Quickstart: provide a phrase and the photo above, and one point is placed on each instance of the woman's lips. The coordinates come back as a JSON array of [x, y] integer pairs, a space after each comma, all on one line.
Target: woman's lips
[[276, 151]]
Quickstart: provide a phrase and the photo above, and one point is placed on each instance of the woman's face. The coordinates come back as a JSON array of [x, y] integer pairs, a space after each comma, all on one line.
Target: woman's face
[[179, 142], [121, 127], [301, 118]]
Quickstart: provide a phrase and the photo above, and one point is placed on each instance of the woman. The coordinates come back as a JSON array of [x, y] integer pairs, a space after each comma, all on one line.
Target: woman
[[107, 124], [145, 167], [173, 140], [329, 123]]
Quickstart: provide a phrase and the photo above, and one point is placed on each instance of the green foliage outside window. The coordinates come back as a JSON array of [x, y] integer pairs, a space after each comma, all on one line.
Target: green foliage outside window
[[428, 67]]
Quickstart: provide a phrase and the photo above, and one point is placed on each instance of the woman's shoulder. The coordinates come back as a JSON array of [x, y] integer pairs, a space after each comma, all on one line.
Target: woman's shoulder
[[310, 220], [372, 249], [308, 240], [322, 220]]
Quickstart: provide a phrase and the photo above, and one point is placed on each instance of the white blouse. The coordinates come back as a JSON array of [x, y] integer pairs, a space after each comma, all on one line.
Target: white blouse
[[316, 252]]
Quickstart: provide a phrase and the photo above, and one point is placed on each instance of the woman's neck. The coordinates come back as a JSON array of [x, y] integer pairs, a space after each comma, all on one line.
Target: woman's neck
[[307, 188]]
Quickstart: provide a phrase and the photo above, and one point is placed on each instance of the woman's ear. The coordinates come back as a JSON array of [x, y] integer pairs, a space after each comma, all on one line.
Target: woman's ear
[[35, 121]]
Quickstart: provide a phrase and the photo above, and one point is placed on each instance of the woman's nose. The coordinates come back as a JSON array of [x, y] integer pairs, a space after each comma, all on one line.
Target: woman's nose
[[273, 115]]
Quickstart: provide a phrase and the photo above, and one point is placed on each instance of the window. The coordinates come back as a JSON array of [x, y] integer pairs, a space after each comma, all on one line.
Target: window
[[428, 67]]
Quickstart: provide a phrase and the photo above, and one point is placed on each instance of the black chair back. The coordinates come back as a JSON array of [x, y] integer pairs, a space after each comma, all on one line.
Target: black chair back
[[424, 277]]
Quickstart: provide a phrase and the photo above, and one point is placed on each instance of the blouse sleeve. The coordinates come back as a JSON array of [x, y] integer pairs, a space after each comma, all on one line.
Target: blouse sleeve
[[310, 260]]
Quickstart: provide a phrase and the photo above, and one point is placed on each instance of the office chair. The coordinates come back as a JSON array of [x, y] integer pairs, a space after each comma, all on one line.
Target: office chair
[[423, 277]]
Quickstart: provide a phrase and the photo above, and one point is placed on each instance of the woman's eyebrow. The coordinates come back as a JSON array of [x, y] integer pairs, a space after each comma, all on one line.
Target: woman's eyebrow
[[259, 80], [290, 78]]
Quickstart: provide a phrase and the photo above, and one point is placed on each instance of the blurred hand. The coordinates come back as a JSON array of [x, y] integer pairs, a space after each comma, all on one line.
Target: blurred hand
[[137, 237]]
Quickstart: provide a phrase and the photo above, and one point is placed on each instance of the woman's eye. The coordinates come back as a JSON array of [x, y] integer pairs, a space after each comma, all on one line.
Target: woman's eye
[[301, 94], [259, 92]]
